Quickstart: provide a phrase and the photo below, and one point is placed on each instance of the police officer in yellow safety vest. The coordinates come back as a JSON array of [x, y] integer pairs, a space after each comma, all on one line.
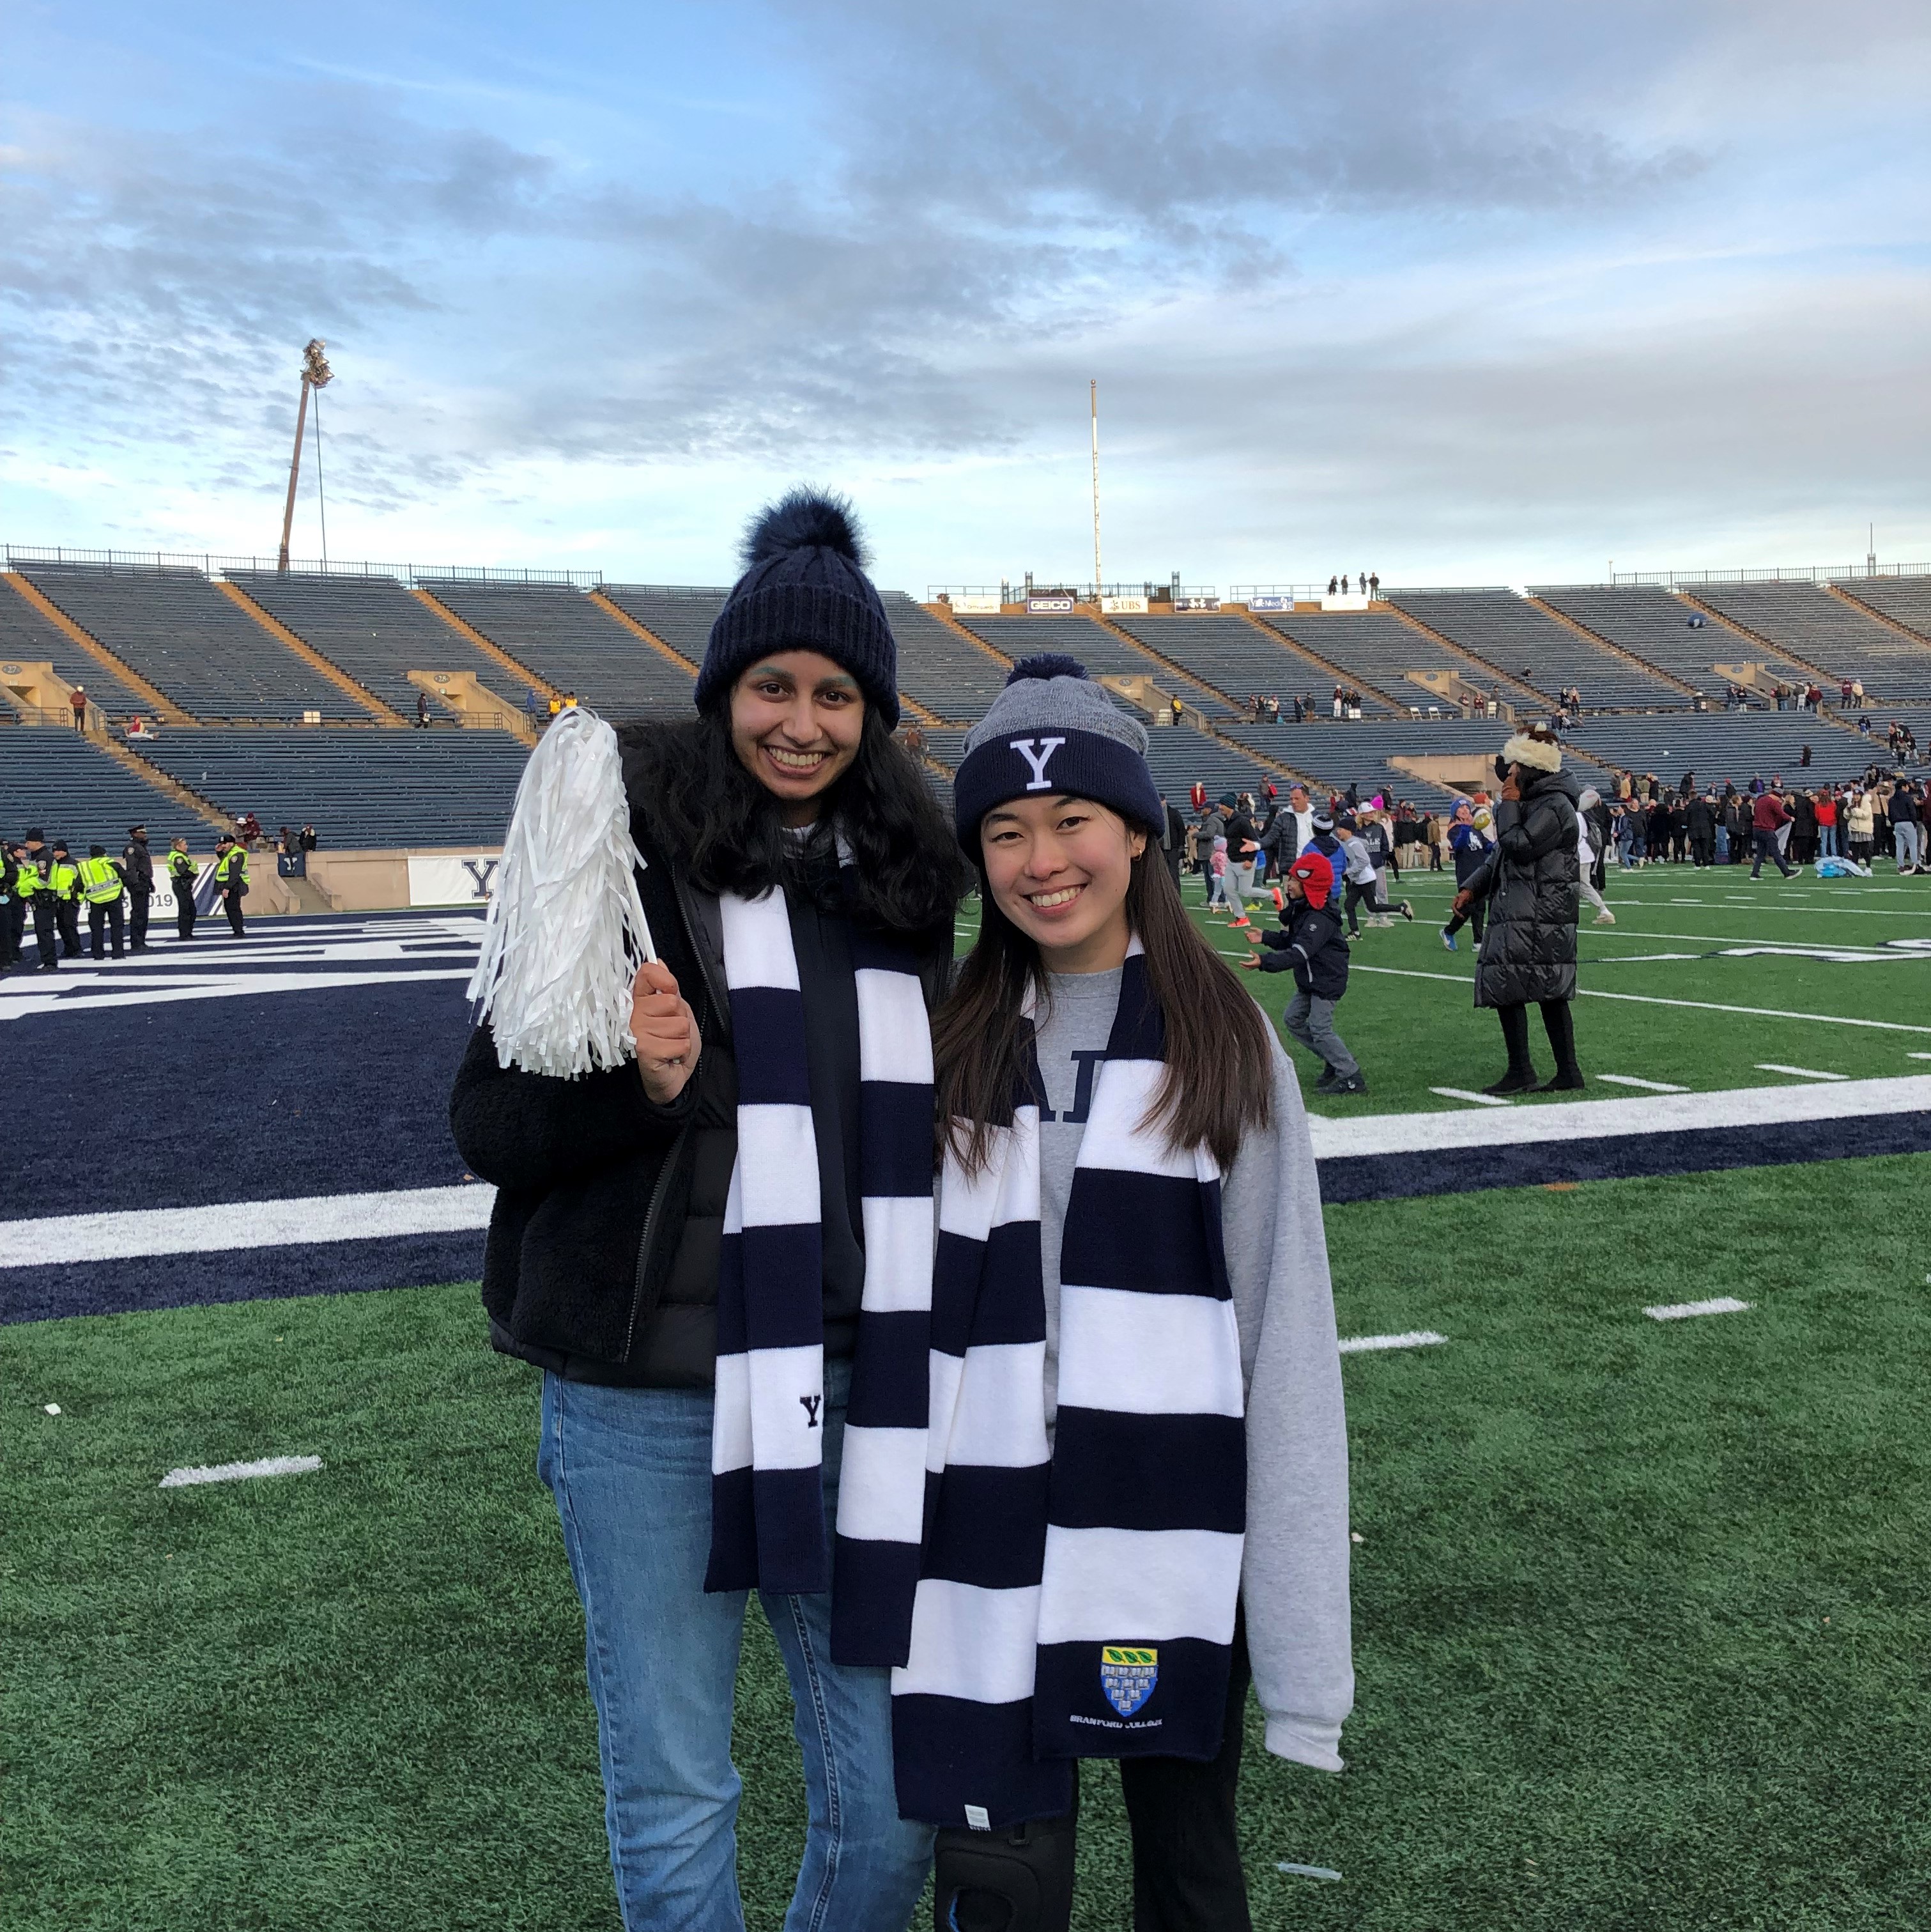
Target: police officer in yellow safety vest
[[180, 876], [64, 878], [231, 878], [102, 883], [13, 906], [37, 894]]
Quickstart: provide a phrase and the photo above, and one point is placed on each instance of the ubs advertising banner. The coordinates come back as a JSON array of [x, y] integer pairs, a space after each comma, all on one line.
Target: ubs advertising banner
[[451, 878], [1049, 607], [1124, 607], [964, 606]]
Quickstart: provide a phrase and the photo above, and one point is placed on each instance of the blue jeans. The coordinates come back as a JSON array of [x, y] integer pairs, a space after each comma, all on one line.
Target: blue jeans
[[631, 1471]]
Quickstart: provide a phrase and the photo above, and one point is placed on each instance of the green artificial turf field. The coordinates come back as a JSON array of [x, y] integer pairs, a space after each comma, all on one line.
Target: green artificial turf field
[[1660, 990], [1640, 1628]]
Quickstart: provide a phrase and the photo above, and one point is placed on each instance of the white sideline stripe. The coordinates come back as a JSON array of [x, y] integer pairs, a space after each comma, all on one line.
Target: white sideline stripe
[[225, 1225], [1463, 1093], [253, 985], [1591, 1120], [1654, 1000], [1799, 1073], [237, 1472], [1415, 1338], [1648, 1086], [1678, 1311], [1917, 1056]]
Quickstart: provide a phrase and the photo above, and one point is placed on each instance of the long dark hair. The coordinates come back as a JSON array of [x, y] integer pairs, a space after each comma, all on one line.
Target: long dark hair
[[1216, 1086], [711, 818]]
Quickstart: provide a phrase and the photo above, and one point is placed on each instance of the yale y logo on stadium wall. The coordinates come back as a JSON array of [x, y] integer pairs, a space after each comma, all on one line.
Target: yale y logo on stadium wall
[[1127, 1675], [482, 872]]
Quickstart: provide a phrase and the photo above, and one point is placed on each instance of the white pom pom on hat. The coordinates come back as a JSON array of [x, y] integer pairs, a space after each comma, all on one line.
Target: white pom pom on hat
[[1539, 754]]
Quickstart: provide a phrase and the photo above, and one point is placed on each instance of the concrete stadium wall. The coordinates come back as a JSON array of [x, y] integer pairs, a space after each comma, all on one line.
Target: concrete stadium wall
[[378, 881]]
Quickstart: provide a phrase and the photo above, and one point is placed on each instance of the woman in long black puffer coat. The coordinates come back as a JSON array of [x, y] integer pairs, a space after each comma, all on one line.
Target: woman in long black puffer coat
[[1530, 882]]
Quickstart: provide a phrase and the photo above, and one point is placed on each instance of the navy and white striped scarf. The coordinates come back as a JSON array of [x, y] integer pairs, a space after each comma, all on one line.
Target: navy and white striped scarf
[[1077, 1601], [767, 1514]]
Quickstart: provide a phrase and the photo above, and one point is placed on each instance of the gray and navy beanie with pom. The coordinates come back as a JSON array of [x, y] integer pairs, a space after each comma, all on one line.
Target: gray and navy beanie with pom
[[1052, 730], [804, 589]]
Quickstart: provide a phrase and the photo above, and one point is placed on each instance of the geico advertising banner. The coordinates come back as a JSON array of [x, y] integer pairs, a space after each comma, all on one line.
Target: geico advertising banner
[[964, 606], [1124, 607], [1049, 607], [443, 879]]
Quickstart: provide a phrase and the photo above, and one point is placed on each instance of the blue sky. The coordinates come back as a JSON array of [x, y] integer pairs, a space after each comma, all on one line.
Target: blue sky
[[1461, 292]]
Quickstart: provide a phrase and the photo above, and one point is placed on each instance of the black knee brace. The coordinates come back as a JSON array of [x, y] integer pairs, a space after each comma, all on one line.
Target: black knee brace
[[1016, 1880]]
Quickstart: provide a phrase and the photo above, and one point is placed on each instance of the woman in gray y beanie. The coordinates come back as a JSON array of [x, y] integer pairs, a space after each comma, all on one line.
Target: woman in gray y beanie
[[1087, 968]]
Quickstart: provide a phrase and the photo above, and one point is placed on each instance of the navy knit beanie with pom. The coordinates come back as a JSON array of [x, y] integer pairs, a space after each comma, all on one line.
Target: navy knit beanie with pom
[[804, 589]]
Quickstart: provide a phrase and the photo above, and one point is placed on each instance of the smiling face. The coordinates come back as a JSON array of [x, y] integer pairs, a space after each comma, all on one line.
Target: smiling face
[[796, 721], [1059, 869]]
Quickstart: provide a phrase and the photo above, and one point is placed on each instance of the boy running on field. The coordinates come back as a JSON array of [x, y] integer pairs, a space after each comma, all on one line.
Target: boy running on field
[[1313, 949]]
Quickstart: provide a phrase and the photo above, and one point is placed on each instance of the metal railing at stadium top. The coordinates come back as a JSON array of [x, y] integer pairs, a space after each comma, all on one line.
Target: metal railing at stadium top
[[1670, 580], [212, 563]]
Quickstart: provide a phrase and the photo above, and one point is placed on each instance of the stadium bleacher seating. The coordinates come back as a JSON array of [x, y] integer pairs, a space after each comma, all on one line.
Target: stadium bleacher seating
[[27, 637], [942, 670], [1905, 600], [1737, 746], [564, 636], [74, 790], [1530, 645], [1356, 751], [1841, 641], [1103, 653], [358, 788], [1649, 621], [681, 616], [1372, 647], [371, 628], [203, 653], [1227, 652]]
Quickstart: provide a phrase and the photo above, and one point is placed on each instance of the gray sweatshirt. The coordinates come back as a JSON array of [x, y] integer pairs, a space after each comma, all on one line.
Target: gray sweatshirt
[[1294, 1576]]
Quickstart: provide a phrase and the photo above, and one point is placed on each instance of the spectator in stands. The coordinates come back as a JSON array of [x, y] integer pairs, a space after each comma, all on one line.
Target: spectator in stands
[[1856, 693], [422, 711], [77, 699], [250, 827], [1530, 880], [532, 705], [555, 704], [569, 701], [308, 838], [915, 740], [1332, 583], [1374, 584], [789, 763], [1337, 700], [1179, 708]]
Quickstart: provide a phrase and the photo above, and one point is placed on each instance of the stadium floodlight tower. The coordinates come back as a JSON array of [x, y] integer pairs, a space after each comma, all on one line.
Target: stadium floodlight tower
[[316, 374]]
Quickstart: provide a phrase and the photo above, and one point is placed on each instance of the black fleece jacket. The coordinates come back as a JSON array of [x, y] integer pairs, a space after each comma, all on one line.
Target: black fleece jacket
[[601, 1261], [1313, 948]]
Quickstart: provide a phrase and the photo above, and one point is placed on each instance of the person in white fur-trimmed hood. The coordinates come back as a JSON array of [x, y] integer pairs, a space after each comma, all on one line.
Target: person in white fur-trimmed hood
[[1137, 1436], [1530, 882]]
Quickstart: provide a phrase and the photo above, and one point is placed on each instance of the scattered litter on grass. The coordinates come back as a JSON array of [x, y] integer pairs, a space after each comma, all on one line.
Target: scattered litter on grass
[[1306, 1871], [1416, 1338], [53, 1408], [1355, 1536], [236, 1472], [1678, 1311]]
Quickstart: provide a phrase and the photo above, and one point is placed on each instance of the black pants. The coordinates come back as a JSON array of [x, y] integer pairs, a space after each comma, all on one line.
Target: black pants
[[184, 908], [230, 904], [1354, 897], [46, 927], [1705, 845], [101, 916], [137, 923], [1765, 843], [1476, 916], [1556, 1021], [12, 928], [67, 916]]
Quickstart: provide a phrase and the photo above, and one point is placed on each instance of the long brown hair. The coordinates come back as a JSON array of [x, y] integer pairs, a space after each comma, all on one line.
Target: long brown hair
[[1216, 1087]]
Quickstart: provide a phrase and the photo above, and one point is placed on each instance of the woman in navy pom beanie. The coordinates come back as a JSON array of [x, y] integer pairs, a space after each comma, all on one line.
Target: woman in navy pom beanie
[[788, 840]]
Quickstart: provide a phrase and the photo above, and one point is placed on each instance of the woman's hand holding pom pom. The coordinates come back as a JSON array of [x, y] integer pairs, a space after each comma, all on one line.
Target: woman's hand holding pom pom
[[665, 1030]]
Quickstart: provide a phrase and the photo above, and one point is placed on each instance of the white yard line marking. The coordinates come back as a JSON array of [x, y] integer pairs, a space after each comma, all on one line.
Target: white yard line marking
[[1305, 1871], [239, 1472], [1678, 1311], [1655, 1000], [1463, 1093], [1649, 1086], [1598, 1119], [1415, 1338], [1798, 1072], [1917, 1056], [225, 1225]]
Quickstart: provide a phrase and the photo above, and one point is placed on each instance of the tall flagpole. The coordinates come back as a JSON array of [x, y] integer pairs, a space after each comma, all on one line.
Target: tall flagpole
[[315, 372], [1092, 397]]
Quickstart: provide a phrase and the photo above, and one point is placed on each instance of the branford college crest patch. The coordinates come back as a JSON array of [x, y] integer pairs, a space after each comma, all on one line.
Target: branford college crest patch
[[1127, 1675]]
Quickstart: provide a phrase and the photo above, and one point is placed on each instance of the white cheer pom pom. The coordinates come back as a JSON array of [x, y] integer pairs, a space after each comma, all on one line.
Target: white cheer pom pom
[[565, 931]]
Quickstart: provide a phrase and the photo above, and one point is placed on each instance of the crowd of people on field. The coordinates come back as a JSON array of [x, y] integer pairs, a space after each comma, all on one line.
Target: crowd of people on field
[[1652, 823]]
